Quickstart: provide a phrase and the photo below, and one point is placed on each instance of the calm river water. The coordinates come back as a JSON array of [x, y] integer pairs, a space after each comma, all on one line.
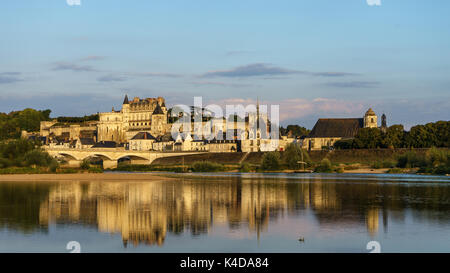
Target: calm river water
[[230, 213]]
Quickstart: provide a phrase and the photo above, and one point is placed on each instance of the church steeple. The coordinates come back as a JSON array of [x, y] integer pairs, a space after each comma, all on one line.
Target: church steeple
[[125, 100], [257, 112]]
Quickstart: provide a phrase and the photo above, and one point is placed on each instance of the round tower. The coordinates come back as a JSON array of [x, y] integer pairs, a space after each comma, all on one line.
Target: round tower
[[370, 119]]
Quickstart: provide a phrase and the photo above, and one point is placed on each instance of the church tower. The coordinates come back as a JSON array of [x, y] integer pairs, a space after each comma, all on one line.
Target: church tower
[[383, 123], [370, 119]]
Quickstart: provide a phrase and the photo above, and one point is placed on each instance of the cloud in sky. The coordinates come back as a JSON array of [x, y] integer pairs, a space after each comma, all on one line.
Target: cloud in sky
[[251, 70], [223, 84], [268, 71], [10, 77], [93, 58], [331, 74], [154, 74], [354, 84], [304, 111], [111, 78], [59, 66]]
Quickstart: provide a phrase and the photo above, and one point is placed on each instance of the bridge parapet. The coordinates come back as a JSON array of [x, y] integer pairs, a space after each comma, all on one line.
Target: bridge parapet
[[110, 156]]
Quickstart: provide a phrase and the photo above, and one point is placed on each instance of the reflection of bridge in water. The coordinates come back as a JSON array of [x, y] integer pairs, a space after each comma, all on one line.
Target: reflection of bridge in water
[[110, 156]]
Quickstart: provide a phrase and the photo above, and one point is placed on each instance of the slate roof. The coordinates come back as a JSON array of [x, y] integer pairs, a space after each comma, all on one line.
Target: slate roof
[[105, 144], [125, 100], [158, 110], [165, 138], [337, 127], [87, 141], [144, 135]]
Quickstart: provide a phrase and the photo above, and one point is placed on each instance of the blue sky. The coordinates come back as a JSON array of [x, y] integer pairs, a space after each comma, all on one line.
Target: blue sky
[[321, 58]]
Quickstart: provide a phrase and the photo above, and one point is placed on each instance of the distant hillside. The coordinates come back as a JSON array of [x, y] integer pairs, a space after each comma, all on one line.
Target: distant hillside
[[28, 119]]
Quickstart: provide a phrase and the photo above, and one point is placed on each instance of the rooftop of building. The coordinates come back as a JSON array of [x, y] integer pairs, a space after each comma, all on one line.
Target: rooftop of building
[[337, 127], [143, 135]]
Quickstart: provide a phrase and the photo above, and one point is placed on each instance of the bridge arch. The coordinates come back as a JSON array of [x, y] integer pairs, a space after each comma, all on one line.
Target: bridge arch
[[102, 156], [66, 156], [133, 159]]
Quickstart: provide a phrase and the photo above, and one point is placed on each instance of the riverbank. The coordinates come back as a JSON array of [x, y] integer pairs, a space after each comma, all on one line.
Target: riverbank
[[84, 177]]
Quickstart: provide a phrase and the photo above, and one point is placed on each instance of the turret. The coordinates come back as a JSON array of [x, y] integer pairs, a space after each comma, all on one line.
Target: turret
[[370, 119]]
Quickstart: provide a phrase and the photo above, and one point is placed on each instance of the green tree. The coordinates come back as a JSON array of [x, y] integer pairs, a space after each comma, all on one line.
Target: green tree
[[394, 137], [368, 138], [28, 119], [293, 154], [344, 144], [294, 130], [324, 166], [271, 161], [37, 157]]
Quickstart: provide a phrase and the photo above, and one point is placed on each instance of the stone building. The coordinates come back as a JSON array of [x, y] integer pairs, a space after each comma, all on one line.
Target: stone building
[[138, 115], [329, 130], [142, 141], [55, 132]]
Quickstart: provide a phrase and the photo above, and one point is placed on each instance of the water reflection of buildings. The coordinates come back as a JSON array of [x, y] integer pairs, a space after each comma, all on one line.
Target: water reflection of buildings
[[144, 212]]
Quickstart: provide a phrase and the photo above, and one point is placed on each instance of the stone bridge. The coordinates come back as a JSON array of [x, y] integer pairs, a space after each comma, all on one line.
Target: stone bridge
[[110, 156]]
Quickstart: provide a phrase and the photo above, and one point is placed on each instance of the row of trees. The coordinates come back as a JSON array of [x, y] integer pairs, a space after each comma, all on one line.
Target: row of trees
[[25, 153], [94, 117], [421, 136], [294, 131], [28, 119]]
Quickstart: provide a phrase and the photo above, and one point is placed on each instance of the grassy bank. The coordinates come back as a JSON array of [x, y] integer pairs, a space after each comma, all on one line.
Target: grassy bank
[[40, 170], [427, 161]]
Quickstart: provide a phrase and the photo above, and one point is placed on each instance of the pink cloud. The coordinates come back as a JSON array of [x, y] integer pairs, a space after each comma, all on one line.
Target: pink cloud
[[299, 108]]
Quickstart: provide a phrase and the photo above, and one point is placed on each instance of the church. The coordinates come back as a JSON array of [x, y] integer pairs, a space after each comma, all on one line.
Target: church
[[329, 130]]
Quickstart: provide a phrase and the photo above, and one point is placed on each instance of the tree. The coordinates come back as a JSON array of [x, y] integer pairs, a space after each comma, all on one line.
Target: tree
[[368, 138], [344, 144], [37, 157], [294, 130], [28, 119], [293, 154], [271, 161], [324, 167], [394, 137]]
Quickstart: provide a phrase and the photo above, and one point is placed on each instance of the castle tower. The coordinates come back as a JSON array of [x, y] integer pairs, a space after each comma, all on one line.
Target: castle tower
[[125, 105], [159, 119], [125, 113], [370, 119]]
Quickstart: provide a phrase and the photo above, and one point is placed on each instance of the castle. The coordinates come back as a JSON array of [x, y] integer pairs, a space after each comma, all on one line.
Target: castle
[[146, 124], [139, 115]]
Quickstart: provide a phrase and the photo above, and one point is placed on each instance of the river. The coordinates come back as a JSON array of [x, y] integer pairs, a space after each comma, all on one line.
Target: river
[[229, 213]]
